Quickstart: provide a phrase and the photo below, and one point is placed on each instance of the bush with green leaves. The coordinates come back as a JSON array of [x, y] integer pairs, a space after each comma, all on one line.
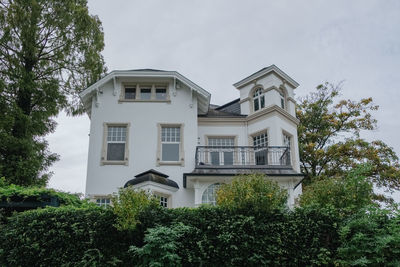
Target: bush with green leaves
[[347, 195], [128, 203], [370, 238], [64, 236], [252, 192]]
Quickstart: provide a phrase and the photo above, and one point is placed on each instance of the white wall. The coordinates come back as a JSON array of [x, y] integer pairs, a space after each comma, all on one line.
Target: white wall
[[143, 135]]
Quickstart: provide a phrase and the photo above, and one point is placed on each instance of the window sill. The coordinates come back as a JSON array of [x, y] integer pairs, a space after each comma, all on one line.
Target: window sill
[[171, 163], [145, 100], [114, 162]]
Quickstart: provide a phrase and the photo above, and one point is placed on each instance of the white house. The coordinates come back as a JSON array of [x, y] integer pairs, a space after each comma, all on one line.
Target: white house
[[157, 130]]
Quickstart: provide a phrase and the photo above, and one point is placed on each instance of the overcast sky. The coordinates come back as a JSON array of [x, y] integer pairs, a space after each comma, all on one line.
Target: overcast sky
[[216, 43]]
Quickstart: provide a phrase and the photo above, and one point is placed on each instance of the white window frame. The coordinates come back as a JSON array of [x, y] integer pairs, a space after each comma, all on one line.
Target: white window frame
[[282, 99], [259, 97], [214, 187], [102, 201], [221, 153], [104, 160], [145, 85], [164, 200], [181, 158]]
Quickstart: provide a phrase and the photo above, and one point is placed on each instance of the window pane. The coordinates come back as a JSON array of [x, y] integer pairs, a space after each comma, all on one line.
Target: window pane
[[145, 93], [282, 103], [262, 101], [256, 106], [170, 152], [214, 158], [161, 93], [115, 151], [228, 158], [130, 93]]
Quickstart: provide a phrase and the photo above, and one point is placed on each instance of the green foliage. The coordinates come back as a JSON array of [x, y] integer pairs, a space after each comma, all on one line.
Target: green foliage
[[128, 203], [49, 52], [23, 193], [347, 195], [67, 236], [330, 143], [162, 245], [252, 192], [371, 238]]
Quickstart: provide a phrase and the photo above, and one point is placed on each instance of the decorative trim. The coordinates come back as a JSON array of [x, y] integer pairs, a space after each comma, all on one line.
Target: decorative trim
[[289, 98], [244, 100]]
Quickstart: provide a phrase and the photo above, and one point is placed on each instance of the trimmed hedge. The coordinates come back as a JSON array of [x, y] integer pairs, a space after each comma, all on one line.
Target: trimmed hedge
[[62, 236]]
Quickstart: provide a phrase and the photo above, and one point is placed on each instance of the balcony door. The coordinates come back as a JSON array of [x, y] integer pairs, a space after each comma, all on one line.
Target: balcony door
[[221, 150], [260, 143]]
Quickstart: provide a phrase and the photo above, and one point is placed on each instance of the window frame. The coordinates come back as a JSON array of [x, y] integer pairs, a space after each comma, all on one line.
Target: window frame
[[214, 201], [159, 195], [181, 159], [259, 98], [106, 203], [103, 160], [145, 85], [251, 143], [235, 156]]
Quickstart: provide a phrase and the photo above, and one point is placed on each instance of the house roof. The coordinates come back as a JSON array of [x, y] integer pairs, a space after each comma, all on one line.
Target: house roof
[[263, 72], [203, 99], [152, 176]]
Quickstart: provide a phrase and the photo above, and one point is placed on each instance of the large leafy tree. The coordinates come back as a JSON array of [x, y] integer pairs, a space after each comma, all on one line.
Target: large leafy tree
[[329, 139], [49, 51]]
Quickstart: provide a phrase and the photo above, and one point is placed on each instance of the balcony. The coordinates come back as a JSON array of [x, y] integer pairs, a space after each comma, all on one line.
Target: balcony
[[243, 157]]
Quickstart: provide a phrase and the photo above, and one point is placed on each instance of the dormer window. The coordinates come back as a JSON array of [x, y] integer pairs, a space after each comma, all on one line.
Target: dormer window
[[258, 99], [144, 93]]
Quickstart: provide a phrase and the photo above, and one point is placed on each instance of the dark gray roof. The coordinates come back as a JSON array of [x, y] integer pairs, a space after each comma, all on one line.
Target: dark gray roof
[[220, 113], [272, 171], [152, 176], [232, 107]]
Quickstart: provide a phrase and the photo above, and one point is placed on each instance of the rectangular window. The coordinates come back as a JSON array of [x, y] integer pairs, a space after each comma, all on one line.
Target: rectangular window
[[170, 143], [103, 202], [163, 201], [222, 154], [161, 93], [145, 93], [116, 141], [130, 92], [286, 140], [282, 96], [260, 143]]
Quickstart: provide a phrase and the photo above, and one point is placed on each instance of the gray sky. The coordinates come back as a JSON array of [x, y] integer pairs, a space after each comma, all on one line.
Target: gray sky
[[216, 43]]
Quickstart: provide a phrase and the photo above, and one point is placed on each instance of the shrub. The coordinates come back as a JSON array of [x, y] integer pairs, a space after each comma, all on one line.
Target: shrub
[[370, 238], [252, 192], [346, 195], [62, 236], [128, 203]]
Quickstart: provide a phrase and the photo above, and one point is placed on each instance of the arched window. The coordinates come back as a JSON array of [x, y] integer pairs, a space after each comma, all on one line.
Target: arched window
[[282, 98], [258, 98], [210, 194]]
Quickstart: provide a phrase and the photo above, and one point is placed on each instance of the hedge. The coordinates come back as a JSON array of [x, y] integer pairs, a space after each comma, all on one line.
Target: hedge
[[62, 236]]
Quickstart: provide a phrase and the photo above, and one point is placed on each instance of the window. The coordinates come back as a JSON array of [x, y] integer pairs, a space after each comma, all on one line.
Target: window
[[258, 99], [260, 143], [103, 202], [116, 141], [286, 140], [161, 93], [210, 194], [282, 97], [144, 92], [222, 154], [163, 200], [170, 143], [130, 92]]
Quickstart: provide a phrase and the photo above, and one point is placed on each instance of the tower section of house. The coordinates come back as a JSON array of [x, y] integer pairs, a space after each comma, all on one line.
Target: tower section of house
[[157, 131], [256, 133]]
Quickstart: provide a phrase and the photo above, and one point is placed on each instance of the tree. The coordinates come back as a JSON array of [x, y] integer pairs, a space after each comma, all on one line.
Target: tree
[[330, 143], [252, 192], [347, 195], [49, 52]]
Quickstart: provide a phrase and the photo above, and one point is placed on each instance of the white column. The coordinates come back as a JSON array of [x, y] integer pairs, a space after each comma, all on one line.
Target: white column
[[197, 194]]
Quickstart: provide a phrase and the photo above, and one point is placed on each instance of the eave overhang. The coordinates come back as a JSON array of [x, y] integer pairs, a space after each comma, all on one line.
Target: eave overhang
[[203, 95], [263, 72]]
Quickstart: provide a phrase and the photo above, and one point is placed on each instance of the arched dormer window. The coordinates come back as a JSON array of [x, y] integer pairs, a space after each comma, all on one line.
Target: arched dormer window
[[258, 99], [282, 99]]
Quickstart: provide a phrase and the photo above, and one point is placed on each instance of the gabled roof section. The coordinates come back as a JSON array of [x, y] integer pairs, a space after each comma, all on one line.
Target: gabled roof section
[[264, 72], [203, 95]]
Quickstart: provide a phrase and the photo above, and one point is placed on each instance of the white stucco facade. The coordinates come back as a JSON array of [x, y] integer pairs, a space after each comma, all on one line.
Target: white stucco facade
[[185, 107]]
